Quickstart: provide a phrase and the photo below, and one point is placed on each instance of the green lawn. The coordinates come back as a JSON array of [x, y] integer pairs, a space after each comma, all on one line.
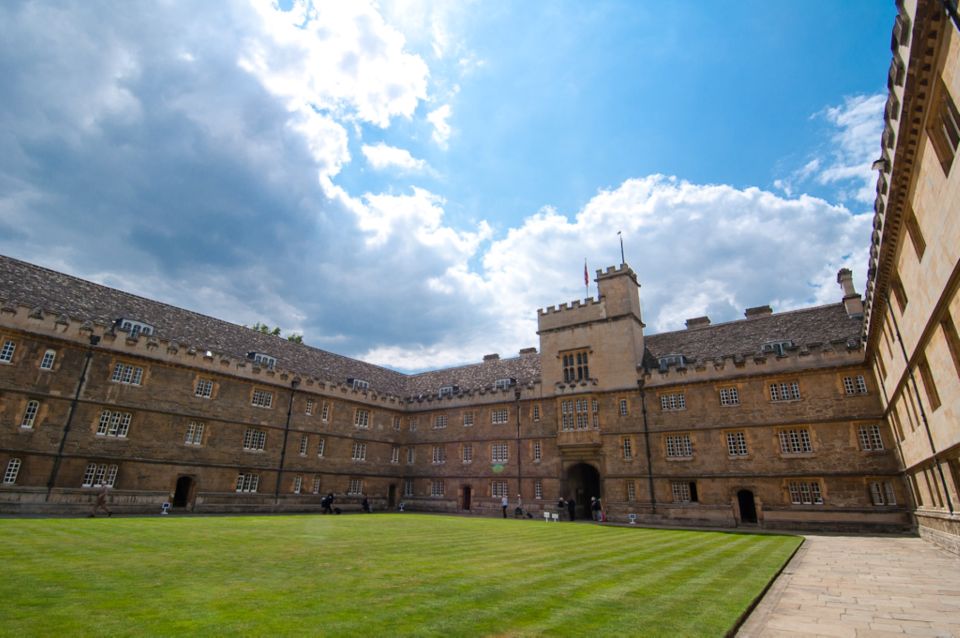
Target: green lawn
[[374, 575]]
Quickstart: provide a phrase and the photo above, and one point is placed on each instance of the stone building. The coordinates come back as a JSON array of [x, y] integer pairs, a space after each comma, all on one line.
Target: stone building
[[912, 304], [839, 416], [771, 420]]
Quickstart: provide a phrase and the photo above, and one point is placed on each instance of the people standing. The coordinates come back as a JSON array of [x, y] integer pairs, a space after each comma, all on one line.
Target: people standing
[[561, 507], [101, 502], [572, 509], [327, 503], [365, 504], [504, 503], [595, 508]]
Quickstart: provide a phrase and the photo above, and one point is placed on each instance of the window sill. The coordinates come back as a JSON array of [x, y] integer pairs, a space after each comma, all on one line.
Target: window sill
[[679, 458]]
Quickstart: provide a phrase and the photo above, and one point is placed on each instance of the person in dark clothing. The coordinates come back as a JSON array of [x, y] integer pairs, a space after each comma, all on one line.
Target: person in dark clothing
[[327, 503], [561, 507], [595, 507], [572, 509], [365, 504]]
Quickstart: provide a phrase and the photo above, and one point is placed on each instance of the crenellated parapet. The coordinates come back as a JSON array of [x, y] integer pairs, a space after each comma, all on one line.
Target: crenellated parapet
[[37, 322], [484, 395], [571, 314], [811, 356]]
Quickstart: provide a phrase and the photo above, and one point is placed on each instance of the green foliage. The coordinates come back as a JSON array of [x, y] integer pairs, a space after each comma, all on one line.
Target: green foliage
[[374, 575], [265, 329], [294, 337]]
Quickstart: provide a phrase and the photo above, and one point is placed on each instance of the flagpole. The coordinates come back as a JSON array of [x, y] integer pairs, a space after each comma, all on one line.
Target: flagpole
[[586, 278], [622, 259]]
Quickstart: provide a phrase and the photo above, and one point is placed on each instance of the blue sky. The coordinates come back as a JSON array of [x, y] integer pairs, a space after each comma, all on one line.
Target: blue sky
[[408, 182]]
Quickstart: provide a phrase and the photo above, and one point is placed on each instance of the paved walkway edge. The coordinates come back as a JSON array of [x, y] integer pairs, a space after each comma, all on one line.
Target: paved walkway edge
[[774, 587]]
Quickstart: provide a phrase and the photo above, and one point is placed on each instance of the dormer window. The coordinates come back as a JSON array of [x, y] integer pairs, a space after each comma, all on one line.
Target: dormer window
[[778, 348], [359, 384], [447, 390], [135, 328], [263, 360], [672, 360], [503, 384]]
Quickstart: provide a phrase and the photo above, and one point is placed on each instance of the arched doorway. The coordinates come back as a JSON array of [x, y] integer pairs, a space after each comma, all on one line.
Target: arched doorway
[[184, 491], [583, 482], [748, 508], [467, 496]]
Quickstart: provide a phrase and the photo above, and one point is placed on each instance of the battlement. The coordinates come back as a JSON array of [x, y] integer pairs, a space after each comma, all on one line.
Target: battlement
[[171, 352], [571, 314], [806, 357], [613, 271]]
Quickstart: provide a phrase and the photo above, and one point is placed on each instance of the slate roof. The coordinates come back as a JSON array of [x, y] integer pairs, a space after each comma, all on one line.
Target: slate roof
[[807, 328], [60, 294]]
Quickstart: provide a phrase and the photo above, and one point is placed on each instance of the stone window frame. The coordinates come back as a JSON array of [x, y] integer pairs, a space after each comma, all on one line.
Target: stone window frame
[[535, 413], [321, 447], [784, 391], [681, 444], [538, 490], [359, 452], [673, 401], [631, 490], [626, 447], [48, 360], [203, 388], [308, 408], [361, 418], [882, 493], [411, 455], [575, 364], [499, 488], [741, 448], [315, 488], [100, 475], [795, 441], [466, 453], [247, 483], [254, 440], [12, 472], [468, 419], [439, 454], [297, 483], [438, 488], [127, 374], [114, 424], [30, 413], [537, 451], [500, 416], [395, 454], [194, 433], [499, 453], [854, 385], [304, 444], [356, 487], [7, 350], [260, 398], [325, 408], [684, 492], [729, 396], [439, 421], [805, 491], [623, 407], [870, 438]]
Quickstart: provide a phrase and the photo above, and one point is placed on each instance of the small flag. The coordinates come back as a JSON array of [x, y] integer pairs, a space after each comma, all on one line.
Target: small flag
[[586, 277]]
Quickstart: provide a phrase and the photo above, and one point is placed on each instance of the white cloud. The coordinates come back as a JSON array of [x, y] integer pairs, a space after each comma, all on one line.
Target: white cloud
[[441, 128], [845, 164], [382, 156], [697, 249]]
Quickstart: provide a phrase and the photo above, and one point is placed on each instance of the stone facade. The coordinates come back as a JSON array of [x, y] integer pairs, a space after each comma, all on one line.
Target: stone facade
[[749, 422], [912, 302]]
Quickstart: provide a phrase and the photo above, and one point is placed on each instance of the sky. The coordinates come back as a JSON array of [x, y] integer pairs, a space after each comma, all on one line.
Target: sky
[[408, 182]]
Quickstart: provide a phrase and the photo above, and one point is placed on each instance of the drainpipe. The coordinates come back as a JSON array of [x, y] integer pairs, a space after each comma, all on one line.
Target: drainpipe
[[923, 413], [516, 396], [646, 439], [286, 433], [94, 340]]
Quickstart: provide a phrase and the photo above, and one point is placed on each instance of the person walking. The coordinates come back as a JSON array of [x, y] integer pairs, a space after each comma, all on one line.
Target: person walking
[[101, 502], [504, 503], [327, 503], [595, 508], [572, 509], [365, 505]]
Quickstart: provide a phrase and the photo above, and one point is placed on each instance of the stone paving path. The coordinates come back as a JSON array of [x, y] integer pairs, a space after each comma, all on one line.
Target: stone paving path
[[853, 586]]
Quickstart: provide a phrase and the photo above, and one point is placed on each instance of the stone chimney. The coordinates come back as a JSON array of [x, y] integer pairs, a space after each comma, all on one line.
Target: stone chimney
[[525, 351], [696, 322], [851, 300], [757, 312], [491, 357]]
